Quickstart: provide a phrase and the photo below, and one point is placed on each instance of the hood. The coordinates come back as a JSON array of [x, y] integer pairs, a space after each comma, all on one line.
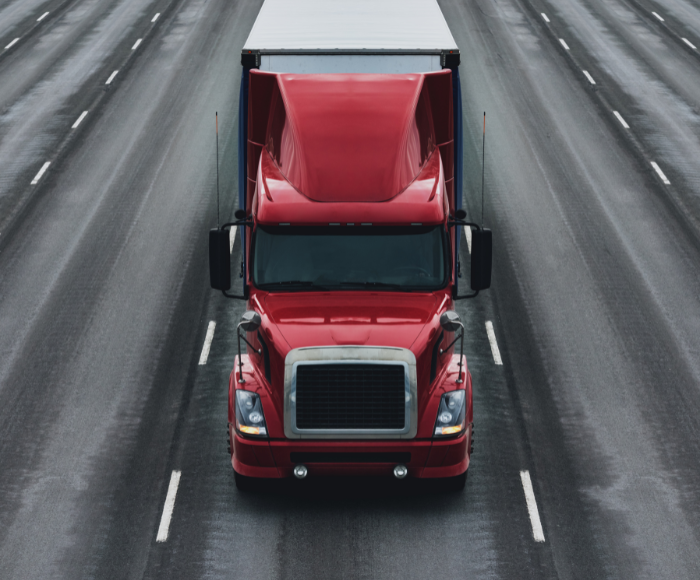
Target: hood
[[350, 318]]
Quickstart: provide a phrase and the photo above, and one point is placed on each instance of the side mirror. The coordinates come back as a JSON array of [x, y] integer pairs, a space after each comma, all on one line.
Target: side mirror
[[461, 214], [219, 259], [481, 259], [250, 321], [239, 214], [450, 321]]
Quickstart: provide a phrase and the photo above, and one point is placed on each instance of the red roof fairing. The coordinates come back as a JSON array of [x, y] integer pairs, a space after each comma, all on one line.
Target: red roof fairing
[[349, 138]]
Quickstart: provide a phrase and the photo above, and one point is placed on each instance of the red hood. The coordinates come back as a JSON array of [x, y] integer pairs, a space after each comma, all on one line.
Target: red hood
[[367, 318]]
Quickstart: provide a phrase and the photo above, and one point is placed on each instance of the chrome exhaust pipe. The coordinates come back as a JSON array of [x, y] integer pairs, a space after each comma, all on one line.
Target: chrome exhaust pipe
[[300, 471], [400, 471]]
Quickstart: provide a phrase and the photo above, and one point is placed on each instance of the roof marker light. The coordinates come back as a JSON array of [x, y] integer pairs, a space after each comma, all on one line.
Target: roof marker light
[[334, 224], [366, 224], [349, 224]]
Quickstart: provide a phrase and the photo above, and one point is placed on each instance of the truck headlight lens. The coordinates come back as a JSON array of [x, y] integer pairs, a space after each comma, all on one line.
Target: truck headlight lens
[[250, 419], [451, 414]]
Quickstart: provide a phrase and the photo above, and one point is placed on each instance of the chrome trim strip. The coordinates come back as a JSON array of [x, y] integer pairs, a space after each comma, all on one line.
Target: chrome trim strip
[[351, 355]]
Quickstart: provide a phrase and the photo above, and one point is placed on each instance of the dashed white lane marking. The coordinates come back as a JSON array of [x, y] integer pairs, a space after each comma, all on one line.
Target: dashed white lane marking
[[690, 44], [168, 507], [79, 119], [136, 44], [544, 16], [494, 345], [589, 77], [231, 238], [468, 233], [658, 170], [111, 77], [43, 169], [537, 531], [155, 17], [207, 343], [563, 43], [44, 15], [622, 121], [659, 17], [15, 41]]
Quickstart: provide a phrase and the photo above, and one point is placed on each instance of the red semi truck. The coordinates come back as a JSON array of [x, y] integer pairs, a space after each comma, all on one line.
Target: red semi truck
[[350, 220]]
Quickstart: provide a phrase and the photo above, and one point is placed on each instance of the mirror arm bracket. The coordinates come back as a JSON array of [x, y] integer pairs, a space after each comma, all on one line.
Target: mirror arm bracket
[[474, 295], [458, 222], [245, 222], [259, 351], [444, 350], [234, 296], [461, 352]]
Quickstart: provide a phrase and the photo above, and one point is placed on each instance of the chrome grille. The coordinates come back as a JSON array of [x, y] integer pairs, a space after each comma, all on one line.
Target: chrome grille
[[349, 396]]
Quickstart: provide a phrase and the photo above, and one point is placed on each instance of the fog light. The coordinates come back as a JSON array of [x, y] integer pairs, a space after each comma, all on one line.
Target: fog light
[[300, 471], [400, 471]]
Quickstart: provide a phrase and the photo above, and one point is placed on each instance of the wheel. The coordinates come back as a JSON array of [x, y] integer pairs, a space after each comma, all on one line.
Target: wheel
[[244, 483], [456, 483]]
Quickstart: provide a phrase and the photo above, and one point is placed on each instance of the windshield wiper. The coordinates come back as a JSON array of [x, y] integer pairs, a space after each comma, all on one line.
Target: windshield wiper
[[295, 285], [384, 285]]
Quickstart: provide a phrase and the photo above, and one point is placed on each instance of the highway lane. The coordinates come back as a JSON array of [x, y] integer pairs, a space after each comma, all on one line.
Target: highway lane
[[87, 269], [596, 288], [104, 309], [651, 78], [51, 78], [14, 12]]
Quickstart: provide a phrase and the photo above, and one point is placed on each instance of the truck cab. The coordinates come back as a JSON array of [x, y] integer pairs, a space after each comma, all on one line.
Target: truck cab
[[350, 224]]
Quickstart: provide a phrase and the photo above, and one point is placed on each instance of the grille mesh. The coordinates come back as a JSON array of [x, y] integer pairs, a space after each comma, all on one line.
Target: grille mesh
[[350, 396]]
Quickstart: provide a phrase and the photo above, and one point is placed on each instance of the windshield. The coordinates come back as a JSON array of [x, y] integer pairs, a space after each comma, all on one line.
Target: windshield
[[347, 257]]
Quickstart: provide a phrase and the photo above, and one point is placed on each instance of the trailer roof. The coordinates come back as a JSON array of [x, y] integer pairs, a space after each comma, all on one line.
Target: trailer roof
[[357, 26]]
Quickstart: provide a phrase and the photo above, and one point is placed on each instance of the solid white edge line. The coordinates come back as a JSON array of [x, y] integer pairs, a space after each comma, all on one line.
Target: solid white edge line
[[468, 234], [207, 343], [690, 44], [494, 345], [659, 17], [545, 17], [79, 120], [43, 169], [15, 41], [537, 531], [662, 175], [563, 43], [136, 44], [44, 15], [232, 238], [111, 77], [155, 17], [622, 121], [168, 507], [589, 77]]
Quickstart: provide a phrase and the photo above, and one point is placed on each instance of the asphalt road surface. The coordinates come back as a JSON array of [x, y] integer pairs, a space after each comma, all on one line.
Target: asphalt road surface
[[107, 190]]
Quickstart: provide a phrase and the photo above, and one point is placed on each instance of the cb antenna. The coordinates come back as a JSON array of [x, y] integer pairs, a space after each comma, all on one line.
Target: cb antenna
[[483, 159], [218, 221]]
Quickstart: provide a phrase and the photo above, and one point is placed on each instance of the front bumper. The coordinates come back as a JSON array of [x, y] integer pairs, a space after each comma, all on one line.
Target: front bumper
[[275, 458]]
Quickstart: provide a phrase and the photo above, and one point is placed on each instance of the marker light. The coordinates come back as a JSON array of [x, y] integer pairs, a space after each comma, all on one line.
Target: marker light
[[250, 419], [450, 418]]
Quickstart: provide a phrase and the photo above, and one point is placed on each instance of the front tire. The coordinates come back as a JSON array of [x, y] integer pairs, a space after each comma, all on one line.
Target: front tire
[[244, 483], [455, 484]]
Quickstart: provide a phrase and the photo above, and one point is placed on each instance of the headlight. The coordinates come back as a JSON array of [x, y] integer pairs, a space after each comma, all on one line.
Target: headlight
[[250, 419], [450, 417]]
